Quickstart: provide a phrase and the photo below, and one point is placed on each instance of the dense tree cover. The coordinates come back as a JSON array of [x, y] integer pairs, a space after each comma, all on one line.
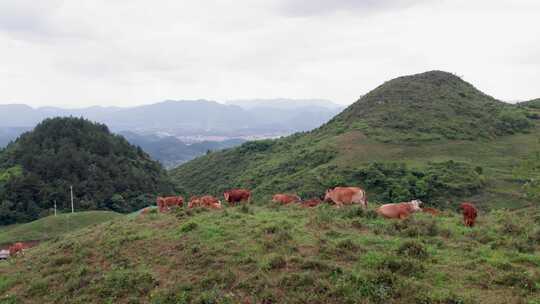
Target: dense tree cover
[[105, 170], [395, 182]]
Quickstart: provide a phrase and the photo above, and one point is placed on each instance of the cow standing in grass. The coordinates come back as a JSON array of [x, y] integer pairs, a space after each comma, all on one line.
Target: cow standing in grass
[[469, 213], [165, 204], [237, 195], [399, 211], [285, 198], [346, 196], [16, 249]]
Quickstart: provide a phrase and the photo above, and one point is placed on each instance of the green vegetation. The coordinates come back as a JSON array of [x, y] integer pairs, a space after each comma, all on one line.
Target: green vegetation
[[431, 106], [535, 103], [105, 170], [53, 226], [430, 136], [285, 254]]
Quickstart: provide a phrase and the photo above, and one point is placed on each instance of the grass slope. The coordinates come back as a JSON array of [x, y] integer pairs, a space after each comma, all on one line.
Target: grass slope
[[276, 254], [54, 226], [430, 106]]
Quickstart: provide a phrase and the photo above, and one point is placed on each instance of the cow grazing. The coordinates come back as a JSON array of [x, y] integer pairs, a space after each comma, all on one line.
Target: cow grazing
[[285, 198], [431, 211], [206, 201], [16, 249], [469, 213], [399, 211], [166, 203], [314, 202], [237, 195], [346, 196]]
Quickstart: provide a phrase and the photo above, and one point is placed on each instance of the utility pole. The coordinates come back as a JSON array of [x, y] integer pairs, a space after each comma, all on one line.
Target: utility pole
[[72, 207], [54, 207]]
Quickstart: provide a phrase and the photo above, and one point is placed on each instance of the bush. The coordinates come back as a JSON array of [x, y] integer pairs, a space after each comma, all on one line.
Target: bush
[[406, 267], [117, 283], [413, 249], [189, 227], [522, 280]]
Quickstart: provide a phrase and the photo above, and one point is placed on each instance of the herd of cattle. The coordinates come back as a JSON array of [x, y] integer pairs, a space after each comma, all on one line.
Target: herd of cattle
[[339, 196]]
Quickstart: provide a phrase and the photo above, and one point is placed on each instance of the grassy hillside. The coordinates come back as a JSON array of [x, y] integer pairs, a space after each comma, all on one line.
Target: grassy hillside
[[54, 226], [275, 254], [430, 136]]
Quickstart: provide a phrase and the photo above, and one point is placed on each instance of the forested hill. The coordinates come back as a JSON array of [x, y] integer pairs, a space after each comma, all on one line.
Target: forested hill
[[105, 170], [431, 136]]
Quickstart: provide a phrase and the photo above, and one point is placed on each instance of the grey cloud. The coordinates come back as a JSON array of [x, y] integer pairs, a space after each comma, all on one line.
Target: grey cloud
[[326, 7]]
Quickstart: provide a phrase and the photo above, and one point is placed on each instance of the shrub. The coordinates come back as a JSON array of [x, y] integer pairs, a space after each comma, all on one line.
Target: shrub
[[277, 262], [413, 227], [522, 280], [117, 283], [406, 267], [413, 249], [189, 227]]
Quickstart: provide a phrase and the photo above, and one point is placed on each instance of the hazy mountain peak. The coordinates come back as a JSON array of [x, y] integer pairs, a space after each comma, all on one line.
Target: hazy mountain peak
[[284, 103]]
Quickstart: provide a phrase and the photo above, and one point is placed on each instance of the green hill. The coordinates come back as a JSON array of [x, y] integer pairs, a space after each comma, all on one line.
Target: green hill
[[535, 103], [105, 170], [273, 254], [54, 226], [430, 136]]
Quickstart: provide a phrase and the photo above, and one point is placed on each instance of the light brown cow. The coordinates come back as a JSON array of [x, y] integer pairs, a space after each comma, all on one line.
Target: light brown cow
[[285, 198], [346, 196], [166, 203], [399, 211], [206, 201]]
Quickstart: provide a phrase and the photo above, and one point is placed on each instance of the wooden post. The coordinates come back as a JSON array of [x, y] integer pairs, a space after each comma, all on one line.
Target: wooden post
[[72, 207], [54, 207]]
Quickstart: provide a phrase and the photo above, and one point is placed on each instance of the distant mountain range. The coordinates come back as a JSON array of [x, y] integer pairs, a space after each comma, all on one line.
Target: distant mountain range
[[167, 128], [191, 117]]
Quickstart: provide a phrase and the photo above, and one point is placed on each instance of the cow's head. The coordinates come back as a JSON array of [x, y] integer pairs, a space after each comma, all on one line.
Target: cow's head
[[415, 204], [226, 195], [327, 197]]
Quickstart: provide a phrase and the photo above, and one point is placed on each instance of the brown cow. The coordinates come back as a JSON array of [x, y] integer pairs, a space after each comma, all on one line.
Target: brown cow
[[469, 213], [16, 248], [399, 211], [237, 195], [346, 196], [145, 211], [314, 202], [431, 211], [285, 198], [206, 201], [165, 203]]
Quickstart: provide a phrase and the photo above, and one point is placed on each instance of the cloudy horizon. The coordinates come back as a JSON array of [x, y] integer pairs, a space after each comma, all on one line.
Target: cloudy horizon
[[126, 53]]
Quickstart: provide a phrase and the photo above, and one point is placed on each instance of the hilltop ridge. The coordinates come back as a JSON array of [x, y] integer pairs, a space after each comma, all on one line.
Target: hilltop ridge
[[430, 106]]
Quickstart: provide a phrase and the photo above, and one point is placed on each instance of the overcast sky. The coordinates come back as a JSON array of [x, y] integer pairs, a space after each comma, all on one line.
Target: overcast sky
[[129, 52]]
